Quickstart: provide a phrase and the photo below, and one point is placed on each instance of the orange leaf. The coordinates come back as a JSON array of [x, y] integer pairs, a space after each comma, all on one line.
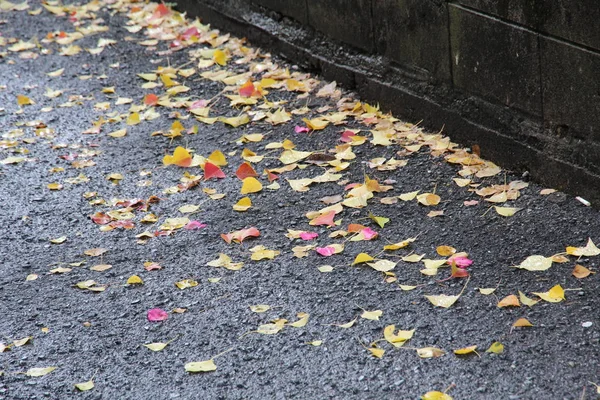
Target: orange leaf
[[355, 228], [522, 322], [324, 219], [247, 89], [212, 171], [581, 272], [150, 99], [244, 171], [239, 236], [508, 301], [181, 157]]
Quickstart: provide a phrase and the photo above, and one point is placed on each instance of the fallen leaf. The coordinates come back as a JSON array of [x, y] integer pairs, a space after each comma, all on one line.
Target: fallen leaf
[[581, 272], [376, 351], [212, 171], [507, 211], [555, 295], [430, 352], [260, 308], [535, 263], [397, 338], [589, 250], [156, 346], [522, 322], [59, 240], [101, 267], [496, 348], [466, 350], [156, 314], [186, 284], [361, 258], [436, 395], [35, 372], [382, 265], [509, 301], [372, 315], [201, 366], [84, 386], [243, 204], [135, 280], [181, 157], [487, 291], [251, 185], [302, 321]]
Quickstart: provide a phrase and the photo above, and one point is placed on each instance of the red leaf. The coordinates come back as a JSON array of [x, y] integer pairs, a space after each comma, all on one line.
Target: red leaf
[[193, 225], [244, 171], [100, 218], [187, 35], [247, 89], [150, 99], [271, 176], [347, 136], [301, 129], [212, 171]]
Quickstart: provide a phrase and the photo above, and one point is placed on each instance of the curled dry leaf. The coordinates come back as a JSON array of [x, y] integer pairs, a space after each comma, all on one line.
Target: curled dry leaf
[[201, 366], [509, 301]]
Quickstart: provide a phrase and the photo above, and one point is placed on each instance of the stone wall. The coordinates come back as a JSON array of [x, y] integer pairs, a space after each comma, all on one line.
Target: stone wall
[[519, 78]]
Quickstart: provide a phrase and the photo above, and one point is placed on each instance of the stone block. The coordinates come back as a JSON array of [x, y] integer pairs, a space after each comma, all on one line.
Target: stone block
[[498, 61], [576, 21], [571, 90], [414, 33], [528, 13], [348, 21]]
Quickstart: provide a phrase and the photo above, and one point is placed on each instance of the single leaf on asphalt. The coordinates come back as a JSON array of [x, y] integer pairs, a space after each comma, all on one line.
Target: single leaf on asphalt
[[315, 343], [271, 328], [251, 185], [466, 350], [526, 300], [239, 236], [397, 338], [201, 366], [446, 301], [382, 265], [507, 211], [430, 352], [509, 301], [95, 252], [245, 171], [445, 251], [188, 208], [413, 258], [347, 324], [156, 346], [555, 295], [361, 258], [589, 250], [535, 263], [260, 308], [59, 240], [213, 171], [581, 272], [372, 315], [436, 395], [101, 267], [218, 158], [225, 261], [376, 351], [156, 314], [522, 322], [487, 291], [35, 372], [399, 245], [302, 321], [84, 386], [186, 283], [496, 348], [243, 204], [135, 280], [429, 199]]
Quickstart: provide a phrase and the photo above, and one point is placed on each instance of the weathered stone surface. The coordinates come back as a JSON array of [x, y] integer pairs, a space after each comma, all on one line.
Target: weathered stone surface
[[414, 33], [295, 9], [495, 60], [571, 90], [528, 13], [577, 21], [348, 21]]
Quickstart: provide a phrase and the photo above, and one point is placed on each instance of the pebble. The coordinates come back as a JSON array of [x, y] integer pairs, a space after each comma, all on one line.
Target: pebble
[[587, 324]]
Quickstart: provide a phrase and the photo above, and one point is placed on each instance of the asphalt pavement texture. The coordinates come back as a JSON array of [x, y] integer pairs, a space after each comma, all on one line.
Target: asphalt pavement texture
[[99, 228]]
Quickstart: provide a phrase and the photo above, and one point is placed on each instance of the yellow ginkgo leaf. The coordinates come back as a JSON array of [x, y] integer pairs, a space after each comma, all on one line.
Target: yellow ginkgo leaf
[[487, 291], [413, 258], [347, 324], [243, 204], [436, 395], [399, 245], [186, 283], [135, 280], [133, 119], [260, 308], [35, 372], [84, 386], [188, 208], [251, 185], [430, 352], [442, 300], [398, 338], [376, 351], [496, 348], [156, 346], [372, 315], [218, 158], [526, 300], [220, 57], [409, 196], [507, 211], [181, 157], [466, 350], [24, 100], [201, 366], [509, 301], [118, 133], [555, 295], [302, 321]]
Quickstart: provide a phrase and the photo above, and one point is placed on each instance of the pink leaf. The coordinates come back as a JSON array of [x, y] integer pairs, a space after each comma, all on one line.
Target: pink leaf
[[308, 235], [156, 314], [192, 225], [326, 251], [324, 219], [347, 136], [461, 262], [369, 233], [301, 129]]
